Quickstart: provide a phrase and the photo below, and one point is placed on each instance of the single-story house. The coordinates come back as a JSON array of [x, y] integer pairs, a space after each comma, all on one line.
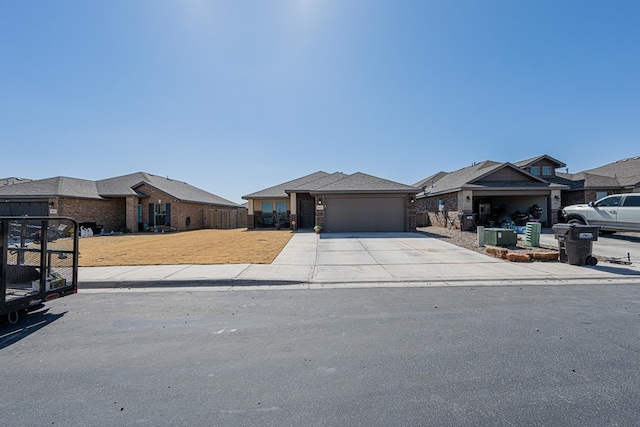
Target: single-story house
[[337, 202], [135, 202], [491, 193], [587, 186]]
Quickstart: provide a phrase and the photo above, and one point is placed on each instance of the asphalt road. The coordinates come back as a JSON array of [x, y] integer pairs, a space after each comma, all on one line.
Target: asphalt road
[[499, 356]]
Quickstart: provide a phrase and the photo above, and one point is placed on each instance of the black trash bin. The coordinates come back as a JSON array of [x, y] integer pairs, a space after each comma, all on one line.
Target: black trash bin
[[467, 221], [575, 243]]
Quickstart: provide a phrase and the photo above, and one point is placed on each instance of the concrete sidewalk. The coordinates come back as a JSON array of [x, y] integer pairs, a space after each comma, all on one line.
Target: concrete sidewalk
[[358, 260]]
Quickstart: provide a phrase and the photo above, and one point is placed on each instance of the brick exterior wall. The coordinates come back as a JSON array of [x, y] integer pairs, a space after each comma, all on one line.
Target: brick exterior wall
[[180, 210], [107, 213], [583, 196], [410, 213], [319, 213], [430, 207]]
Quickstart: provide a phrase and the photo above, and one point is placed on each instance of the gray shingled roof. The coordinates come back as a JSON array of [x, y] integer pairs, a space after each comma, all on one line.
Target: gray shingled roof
[[426, 182], [362, 183], [524, 163], [338, 182], [318, 183], [624, 173], [120, 186], [60, 186], [280, 190], [128, 184], [455, 180], [470, 178]]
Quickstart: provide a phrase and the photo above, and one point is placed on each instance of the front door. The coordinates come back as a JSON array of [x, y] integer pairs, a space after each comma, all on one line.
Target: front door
[[307, 215]]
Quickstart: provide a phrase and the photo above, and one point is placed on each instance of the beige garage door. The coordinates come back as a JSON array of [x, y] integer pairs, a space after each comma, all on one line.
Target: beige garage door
[[366, 213]]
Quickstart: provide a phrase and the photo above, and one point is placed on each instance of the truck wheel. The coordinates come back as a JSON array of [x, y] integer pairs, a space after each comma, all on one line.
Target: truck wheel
[[576, 221]]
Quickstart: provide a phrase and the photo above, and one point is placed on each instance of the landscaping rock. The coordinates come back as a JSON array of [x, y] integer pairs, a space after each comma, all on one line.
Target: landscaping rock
[[496, 251], [545, 256], [518, 257]]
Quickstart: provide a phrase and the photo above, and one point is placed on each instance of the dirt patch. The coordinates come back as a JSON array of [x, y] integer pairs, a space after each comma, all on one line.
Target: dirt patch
[[239, 246], [469, 240]]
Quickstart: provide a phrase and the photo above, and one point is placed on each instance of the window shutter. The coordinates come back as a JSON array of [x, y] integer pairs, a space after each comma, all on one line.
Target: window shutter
[[168, 214], [152, 215]]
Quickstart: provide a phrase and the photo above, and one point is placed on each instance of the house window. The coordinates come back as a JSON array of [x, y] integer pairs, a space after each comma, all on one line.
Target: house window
[[535, 170], [281, 211], [161, 214], [601, 194], [546, 171], [267, 212]]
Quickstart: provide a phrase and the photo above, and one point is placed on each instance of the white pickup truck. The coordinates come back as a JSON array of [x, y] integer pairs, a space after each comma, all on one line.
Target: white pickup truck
[[618, 212]]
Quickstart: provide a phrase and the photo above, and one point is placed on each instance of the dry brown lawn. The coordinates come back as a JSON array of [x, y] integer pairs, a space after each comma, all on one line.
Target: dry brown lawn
[[239, 246]]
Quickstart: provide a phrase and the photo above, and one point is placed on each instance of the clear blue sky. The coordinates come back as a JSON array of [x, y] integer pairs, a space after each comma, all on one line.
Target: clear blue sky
[[235, 96]]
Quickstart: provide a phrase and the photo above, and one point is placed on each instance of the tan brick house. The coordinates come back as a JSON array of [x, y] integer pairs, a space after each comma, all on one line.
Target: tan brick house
[[490, 193], [136, 202], [336, 201]]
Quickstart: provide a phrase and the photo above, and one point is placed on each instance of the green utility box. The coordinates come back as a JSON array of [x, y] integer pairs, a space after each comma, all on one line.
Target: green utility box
[[532, 234], [500, 237]]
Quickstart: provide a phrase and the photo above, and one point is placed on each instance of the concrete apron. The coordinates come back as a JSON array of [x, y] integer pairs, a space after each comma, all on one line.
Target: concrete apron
[[311, 261]]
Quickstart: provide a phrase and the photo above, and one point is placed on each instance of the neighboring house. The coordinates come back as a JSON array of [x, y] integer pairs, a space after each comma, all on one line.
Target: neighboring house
[[135, 202], [618, 177], [491, 193], [338, 202]]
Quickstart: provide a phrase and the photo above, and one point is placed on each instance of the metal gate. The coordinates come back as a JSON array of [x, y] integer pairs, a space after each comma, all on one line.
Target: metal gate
[[39, 262]]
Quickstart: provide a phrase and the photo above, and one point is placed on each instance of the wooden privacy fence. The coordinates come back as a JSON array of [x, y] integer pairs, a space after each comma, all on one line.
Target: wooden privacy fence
[[226, 219]]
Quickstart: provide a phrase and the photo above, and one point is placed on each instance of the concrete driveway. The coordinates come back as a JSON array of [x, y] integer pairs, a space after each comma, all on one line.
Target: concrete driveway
[[413, 258]]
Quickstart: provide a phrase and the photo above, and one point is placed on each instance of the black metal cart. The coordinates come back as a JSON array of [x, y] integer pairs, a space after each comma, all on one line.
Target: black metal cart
[[39, 262]]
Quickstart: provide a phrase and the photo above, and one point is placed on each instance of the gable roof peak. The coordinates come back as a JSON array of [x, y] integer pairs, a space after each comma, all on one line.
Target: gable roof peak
[[528, 162]]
